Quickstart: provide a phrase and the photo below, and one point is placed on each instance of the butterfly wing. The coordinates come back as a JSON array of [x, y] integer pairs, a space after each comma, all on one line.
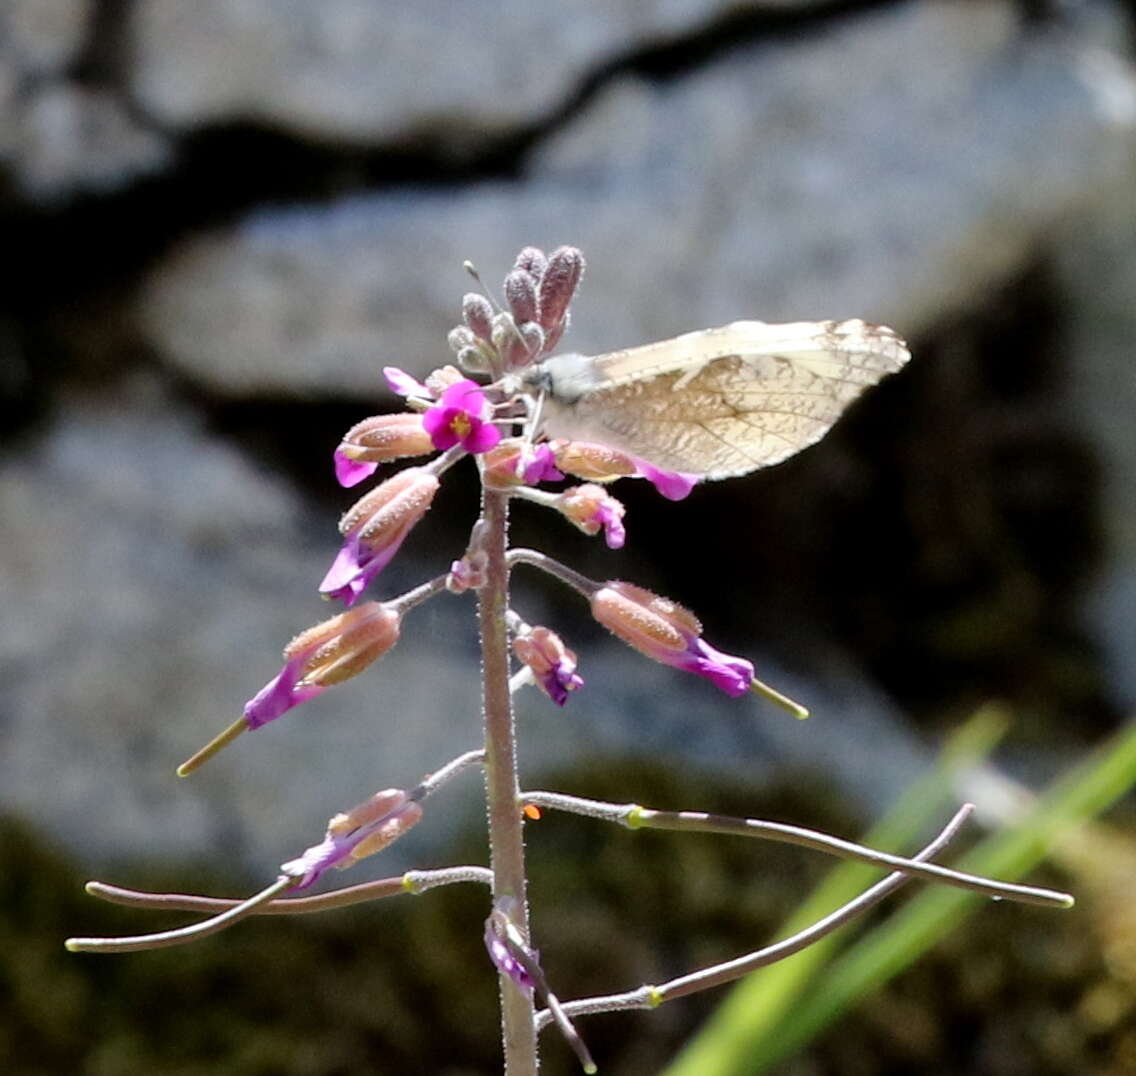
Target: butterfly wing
[[721, 402]]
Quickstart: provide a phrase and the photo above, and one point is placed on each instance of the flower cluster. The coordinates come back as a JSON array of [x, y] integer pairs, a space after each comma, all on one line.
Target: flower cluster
[[452, 416]]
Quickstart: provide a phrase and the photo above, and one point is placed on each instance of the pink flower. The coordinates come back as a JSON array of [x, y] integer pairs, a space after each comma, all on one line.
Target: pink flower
[[462, 417], [374, 528], [325, 654], [402, 384], [666, 632]]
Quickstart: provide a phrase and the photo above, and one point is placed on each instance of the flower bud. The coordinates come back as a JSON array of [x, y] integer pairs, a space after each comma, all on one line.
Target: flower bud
[[591, 507], [441, 379], [459, 337], [666, 632], [520, 294], [551, 663], [558, 284], [477, 313], [374, 528], [526, 345], [532, 260]]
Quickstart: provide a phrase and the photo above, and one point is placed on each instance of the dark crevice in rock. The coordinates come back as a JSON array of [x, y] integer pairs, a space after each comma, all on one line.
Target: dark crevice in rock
[[104, 59]]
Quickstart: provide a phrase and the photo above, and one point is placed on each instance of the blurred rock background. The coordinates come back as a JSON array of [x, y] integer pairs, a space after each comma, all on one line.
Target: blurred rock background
[[223, 218]]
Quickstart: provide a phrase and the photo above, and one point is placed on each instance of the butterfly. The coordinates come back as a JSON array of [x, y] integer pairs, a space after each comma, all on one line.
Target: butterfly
[[717, 402]]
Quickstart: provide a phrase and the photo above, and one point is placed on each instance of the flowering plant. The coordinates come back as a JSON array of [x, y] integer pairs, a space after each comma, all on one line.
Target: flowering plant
[[504, 426]]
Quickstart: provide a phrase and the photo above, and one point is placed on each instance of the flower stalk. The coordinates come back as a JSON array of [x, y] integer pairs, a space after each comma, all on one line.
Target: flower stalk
[[506, 834]]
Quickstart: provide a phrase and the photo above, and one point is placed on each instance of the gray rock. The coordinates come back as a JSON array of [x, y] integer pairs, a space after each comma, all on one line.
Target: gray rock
[[63, 140], [894, 167], [371, 71], [59, 139], [40, 37]]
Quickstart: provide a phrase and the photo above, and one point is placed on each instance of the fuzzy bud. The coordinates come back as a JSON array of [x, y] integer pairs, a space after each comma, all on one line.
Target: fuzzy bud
[[533, 261], [520, 294], [442, 378], [477, 313], [558, 285], [461, 336], [526, 346]]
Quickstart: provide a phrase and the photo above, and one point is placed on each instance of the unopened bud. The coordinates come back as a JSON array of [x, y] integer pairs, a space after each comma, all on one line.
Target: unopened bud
[[459, 337], [477, 313], [527, 344], [520, 294], [532, 260], [592, 461], [442, 378], [558, 285], [474, 360]]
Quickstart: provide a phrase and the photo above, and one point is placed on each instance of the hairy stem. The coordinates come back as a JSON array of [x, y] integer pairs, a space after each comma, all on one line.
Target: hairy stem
[[506, 838]]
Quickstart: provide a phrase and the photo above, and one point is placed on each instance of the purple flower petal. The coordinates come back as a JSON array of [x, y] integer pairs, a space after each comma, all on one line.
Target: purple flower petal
[[482, 437], [279, 695], [351, 472], [674, 485], [354, 567], [727, 673], [615, 534], [541, 467], [403, 384], [561, 680]]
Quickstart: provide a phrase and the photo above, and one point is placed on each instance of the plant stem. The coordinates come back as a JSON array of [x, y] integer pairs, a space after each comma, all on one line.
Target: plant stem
[[506, 837]]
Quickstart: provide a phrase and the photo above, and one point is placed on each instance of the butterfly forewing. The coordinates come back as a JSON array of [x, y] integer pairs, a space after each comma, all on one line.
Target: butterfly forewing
[[725, 401]]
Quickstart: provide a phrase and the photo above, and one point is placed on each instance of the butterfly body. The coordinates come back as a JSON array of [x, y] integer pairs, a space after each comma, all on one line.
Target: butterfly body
[[717, 402]]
